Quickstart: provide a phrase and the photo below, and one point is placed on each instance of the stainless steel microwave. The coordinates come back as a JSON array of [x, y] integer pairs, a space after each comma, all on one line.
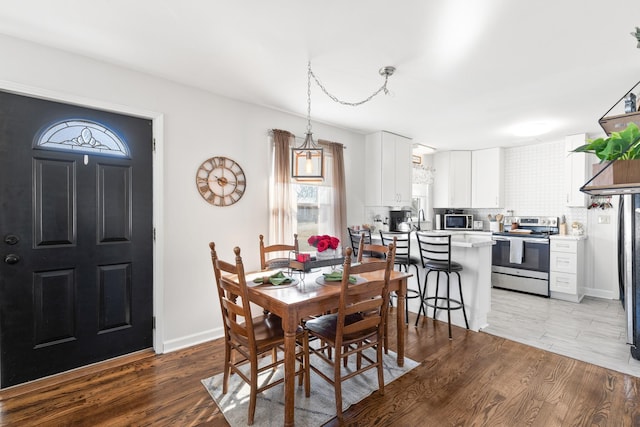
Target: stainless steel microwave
[[458, 222]]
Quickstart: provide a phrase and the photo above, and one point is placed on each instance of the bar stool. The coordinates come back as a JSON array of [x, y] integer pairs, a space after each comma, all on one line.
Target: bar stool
[[364, 234], [402, 240], [435, 251]]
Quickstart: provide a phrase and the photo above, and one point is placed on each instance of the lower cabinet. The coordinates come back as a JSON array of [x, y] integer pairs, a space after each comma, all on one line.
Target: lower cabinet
[[566, 276]]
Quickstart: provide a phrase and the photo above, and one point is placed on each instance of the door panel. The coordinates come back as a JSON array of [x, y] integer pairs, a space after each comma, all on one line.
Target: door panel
[[54, 210], [114, 204], [54, 300], [79, 285]]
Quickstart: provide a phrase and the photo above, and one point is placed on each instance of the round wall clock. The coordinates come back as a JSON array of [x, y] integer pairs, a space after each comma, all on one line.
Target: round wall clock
[[221, 181]]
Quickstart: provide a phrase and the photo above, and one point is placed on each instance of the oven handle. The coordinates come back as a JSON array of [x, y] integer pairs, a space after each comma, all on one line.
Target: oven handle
[[534, 240], [537, 241]]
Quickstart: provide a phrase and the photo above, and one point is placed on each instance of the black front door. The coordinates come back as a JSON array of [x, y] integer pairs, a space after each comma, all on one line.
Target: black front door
[[76, 282]]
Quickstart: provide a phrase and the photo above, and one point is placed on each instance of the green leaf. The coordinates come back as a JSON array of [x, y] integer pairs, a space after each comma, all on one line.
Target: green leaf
[[624, 145]]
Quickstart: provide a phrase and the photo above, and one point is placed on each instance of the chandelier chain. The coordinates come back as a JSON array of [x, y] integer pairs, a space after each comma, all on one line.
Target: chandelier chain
[[309, 98], [335, 98]]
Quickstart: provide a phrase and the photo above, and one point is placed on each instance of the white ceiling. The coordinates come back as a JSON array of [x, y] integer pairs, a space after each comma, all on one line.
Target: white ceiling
[[466, 70]]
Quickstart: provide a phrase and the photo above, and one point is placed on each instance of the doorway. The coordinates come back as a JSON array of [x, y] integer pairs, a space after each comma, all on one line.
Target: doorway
[[76, 223]]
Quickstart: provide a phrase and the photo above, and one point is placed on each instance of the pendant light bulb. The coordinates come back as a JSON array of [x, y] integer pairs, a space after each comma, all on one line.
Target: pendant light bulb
[[308, 167]]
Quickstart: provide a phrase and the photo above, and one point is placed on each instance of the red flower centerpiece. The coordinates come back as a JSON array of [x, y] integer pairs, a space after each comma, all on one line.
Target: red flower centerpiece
[[324, 242]]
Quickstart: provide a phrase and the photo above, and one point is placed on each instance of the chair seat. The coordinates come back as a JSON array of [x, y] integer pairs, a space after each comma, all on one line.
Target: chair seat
[[326, 327], [442, 265], [268, 330]]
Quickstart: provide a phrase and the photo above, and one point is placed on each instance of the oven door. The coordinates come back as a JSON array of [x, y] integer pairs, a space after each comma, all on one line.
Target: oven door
[[531, 276]]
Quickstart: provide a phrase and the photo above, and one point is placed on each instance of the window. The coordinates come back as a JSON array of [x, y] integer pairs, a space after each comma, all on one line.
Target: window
[[82, 136], [313, 210], [305, 206]]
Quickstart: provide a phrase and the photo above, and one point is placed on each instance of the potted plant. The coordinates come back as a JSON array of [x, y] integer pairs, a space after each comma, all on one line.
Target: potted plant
[[624, 147], [325, 244]]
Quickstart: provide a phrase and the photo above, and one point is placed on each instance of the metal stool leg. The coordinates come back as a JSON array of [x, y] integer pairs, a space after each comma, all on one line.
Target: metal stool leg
[[436, 295], [423, 295], [449, 303], [464, 312]]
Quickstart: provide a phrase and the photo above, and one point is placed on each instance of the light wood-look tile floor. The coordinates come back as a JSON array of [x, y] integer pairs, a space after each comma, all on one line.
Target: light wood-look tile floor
[[592, 331]]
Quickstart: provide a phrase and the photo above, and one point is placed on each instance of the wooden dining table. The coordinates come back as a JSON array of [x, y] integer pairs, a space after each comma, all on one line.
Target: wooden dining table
[[308, 297]]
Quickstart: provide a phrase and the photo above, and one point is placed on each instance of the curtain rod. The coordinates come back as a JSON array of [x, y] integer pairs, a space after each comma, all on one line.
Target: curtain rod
[[302, 139]]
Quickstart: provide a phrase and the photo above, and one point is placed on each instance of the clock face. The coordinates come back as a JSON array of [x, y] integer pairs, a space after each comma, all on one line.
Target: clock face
[[221, 181]]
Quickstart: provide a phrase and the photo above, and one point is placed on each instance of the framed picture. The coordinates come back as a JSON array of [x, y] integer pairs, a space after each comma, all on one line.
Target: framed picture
[[416, 159]]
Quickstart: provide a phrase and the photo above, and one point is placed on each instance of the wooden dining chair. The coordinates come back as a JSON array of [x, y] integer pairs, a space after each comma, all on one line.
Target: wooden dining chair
[[370, 252], [248, 339], [356, 326], [272, 256]]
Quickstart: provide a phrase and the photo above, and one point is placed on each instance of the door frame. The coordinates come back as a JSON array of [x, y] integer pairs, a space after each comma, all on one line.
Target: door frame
[[157, 119]]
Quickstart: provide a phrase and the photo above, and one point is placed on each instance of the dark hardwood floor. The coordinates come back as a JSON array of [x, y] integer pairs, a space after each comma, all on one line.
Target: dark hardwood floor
[[474, 380]]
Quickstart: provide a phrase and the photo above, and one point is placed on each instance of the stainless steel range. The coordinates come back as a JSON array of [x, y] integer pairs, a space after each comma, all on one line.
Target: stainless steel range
[[520, 258]]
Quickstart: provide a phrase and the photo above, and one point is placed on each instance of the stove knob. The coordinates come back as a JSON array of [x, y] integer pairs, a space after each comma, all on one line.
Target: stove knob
[[544, 222]]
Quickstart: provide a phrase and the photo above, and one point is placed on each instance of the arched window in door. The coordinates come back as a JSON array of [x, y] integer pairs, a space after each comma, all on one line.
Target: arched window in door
[[83, 136]]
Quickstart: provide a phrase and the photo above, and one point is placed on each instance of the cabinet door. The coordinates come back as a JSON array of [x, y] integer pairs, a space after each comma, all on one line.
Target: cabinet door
[[388, 153], [403, 170], [576, 172], [452, 185], [389, 172], [441, 179], [460, 179], [563, 282], [487, 181], [563, 262]]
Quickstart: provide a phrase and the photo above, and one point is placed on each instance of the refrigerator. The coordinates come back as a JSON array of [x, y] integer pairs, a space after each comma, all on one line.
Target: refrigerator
[[629, 266]]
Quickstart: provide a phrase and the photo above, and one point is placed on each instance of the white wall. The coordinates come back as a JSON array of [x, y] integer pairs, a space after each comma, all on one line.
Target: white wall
[[196, 126]]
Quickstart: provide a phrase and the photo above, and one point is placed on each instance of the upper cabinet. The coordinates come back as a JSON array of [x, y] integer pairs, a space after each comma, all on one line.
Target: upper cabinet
[[576, 171], [452, 184], [487, 182], [388, 160]]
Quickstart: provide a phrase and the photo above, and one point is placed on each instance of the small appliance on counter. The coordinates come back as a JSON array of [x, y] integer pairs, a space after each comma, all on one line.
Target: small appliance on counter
[[458, 222], [437, 222], [478, 225], [400, 220]]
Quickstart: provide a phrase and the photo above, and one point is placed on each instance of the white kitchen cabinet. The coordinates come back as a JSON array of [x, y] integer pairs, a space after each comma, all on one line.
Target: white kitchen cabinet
[[388, 170], [566, 276], [452, 183], [576, 170], [487, 178]]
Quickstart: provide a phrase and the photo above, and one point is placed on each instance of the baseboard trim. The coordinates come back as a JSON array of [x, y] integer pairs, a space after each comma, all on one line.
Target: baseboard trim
[[599, 293], [191, 340]]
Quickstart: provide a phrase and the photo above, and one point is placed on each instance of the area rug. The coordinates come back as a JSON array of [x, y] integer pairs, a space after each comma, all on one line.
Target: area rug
[[315, 410]]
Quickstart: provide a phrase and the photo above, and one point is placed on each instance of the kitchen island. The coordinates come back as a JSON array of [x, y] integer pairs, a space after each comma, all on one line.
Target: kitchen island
[[473, 251]]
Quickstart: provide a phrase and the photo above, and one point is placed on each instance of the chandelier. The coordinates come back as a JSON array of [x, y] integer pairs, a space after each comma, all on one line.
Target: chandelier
[[307, 160]]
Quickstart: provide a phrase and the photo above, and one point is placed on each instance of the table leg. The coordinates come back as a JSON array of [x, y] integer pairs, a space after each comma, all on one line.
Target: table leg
[[289, 374], [400, 323]]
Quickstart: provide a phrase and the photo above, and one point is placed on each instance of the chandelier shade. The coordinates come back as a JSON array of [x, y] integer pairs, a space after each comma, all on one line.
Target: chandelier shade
[[307, 160]]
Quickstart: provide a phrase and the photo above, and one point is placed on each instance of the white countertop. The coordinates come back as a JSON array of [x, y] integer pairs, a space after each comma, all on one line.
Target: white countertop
[[468, 239]]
